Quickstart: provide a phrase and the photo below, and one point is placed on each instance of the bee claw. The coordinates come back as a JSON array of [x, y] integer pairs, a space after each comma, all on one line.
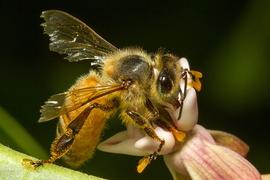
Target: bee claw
[[32, 164], [154, 156], [37, 163]]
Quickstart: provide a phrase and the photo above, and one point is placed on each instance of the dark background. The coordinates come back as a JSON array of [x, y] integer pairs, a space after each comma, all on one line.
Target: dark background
[[227, 40]]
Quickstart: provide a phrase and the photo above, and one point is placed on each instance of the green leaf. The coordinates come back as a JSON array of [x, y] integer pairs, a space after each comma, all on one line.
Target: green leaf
[[11, 167]]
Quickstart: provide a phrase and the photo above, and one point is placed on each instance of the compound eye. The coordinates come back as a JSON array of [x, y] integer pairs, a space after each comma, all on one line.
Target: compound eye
[[165, 84]]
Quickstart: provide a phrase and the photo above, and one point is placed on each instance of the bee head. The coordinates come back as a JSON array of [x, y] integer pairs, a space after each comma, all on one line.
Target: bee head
[[167, 73]]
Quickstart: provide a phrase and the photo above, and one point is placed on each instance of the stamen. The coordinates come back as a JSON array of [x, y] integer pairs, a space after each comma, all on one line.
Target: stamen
[[196, 83], [179, 135]]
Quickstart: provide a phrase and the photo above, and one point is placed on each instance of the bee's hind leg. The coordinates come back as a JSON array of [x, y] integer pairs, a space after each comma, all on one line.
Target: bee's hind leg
[[149, 130], [62, 144]]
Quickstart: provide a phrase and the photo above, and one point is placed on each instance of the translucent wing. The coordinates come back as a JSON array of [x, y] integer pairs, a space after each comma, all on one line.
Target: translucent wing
[[74, 38], [63, 103]]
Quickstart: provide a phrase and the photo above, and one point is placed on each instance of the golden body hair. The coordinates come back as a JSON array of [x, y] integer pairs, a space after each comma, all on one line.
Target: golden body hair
[[87, 139]]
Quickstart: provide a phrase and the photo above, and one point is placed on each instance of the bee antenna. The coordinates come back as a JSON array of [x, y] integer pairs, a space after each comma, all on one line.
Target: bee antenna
[[183, 92]]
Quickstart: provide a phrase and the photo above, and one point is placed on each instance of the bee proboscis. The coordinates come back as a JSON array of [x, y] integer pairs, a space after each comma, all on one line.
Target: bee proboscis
[[130, 81]]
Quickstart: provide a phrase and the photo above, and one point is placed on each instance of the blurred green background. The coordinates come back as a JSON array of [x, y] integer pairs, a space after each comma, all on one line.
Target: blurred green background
[[227, 40]]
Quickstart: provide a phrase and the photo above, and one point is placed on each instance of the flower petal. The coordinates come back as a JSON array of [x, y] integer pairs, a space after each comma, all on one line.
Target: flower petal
[[149, 145], [201, 158], [189, 117], [240, 168], [230, 141], [184, 63], [134, 142], [221, 163], [123, 143], [174, 161]]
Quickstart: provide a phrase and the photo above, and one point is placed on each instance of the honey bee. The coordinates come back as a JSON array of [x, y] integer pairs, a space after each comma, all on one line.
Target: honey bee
[[130, 81]]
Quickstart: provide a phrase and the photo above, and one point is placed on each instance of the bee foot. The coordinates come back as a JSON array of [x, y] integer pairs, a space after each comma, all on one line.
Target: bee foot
[[32, 164]]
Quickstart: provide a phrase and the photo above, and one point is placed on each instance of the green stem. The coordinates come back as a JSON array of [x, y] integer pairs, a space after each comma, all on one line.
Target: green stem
[[11, 167]]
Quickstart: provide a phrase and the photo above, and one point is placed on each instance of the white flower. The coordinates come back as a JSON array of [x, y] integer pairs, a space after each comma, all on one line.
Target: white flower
[[200, 157], [203, 155]]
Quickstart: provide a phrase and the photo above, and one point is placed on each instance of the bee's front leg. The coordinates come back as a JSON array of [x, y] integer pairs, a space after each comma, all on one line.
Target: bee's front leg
[[149, 130]]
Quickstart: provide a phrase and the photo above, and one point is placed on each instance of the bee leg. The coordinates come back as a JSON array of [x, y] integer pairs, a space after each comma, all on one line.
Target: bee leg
[[149, 130], [62, 144], [179, 135]]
